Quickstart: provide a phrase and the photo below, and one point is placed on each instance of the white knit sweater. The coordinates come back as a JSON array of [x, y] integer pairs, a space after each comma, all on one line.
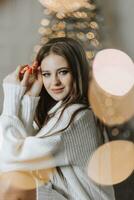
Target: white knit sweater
[[21, 148]]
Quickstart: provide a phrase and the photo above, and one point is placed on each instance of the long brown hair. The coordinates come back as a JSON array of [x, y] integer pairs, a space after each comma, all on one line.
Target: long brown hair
[[74, 53]]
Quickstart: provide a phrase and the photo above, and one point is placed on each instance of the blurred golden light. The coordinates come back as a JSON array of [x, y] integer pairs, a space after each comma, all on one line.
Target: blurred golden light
[[111, 109], [45, 31], [60, 15], [45, 22], [111, 92], [112, 162], [113, 70], [61, 25], [66, 6], [43, 40], [90, 35], [94, 25], [26, 180], [80, 15], [81, 35], [43, 175], [90, 54], [61, 34], [41, 30], [17, 179]]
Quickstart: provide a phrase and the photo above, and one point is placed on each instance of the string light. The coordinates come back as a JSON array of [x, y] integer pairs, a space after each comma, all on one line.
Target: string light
[[72, 18], [66, 6]]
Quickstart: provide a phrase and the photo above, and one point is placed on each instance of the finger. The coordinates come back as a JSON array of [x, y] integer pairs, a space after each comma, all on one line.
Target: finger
[[25, 79], [18, 69], [25, 68]]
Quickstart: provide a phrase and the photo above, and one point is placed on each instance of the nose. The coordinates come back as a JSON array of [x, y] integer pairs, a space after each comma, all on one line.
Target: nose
[[56, 80]]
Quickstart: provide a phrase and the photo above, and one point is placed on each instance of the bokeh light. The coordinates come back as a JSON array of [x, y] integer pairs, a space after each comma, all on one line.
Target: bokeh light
[[111, 109], [25, 180], [17, 179], [77, 19], [67, 6], [112, 162], [113, 70]]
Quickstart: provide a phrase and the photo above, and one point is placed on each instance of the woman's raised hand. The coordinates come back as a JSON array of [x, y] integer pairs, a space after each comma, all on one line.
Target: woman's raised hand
[[36, 86], [14, 78], [30, 78]]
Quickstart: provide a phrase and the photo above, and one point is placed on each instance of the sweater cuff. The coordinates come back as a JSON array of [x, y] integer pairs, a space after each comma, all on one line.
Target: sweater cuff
[[12, 96], [28, 107]]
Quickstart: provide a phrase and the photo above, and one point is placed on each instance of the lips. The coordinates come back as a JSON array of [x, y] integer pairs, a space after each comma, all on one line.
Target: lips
[[57, 90]]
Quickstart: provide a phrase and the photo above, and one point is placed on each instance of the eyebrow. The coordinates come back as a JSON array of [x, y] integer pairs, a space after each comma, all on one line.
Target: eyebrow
[[57, 69]]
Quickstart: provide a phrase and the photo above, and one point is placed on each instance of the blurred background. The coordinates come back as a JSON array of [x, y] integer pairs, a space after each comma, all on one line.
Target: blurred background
[[20, 34]]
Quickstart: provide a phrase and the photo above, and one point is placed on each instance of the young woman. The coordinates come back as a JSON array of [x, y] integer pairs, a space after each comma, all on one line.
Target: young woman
[[58, 102]]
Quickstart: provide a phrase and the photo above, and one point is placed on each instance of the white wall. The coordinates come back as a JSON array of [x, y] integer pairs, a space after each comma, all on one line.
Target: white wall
[[19, 23]]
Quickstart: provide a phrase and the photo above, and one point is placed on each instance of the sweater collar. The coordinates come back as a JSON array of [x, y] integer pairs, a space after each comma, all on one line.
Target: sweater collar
[[55, 107]]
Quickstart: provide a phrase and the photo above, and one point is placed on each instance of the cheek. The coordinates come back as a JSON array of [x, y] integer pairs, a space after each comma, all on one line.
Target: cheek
[[69, 81], [46, 83]]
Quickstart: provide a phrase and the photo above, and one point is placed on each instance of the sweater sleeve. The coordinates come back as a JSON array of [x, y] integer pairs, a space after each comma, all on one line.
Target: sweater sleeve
[[18, 104], [24, 152], [27, 112], [12, 98]]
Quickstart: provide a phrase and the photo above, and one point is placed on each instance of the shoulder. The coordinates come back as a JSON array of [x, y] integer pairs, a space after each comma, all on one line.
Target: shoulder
[[79, 115], [71, 109], [80, 112], [83, 126]]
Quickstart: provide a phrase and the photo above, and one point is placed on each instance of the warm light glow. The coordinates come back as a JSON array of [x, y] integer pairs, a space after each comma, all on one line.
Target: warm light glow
[[25, 180], [111, 109], [65, 6], [112, 163], [113, 70], [20, 180]]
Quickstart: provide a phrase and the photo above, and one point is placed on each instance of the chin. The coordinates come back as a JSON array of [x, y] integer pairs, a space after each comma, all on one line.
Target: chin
[[57, 98]]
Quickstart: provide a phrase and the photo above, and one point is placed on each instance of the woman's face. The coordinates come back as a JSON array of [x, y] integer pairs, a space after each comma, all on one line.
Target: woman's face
[[57, 76]]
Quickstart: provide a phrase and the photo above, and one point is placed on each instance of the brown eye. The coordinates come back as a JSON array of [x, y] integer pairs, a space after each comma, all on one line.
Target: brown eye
[[63, 72], [46, 74]]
